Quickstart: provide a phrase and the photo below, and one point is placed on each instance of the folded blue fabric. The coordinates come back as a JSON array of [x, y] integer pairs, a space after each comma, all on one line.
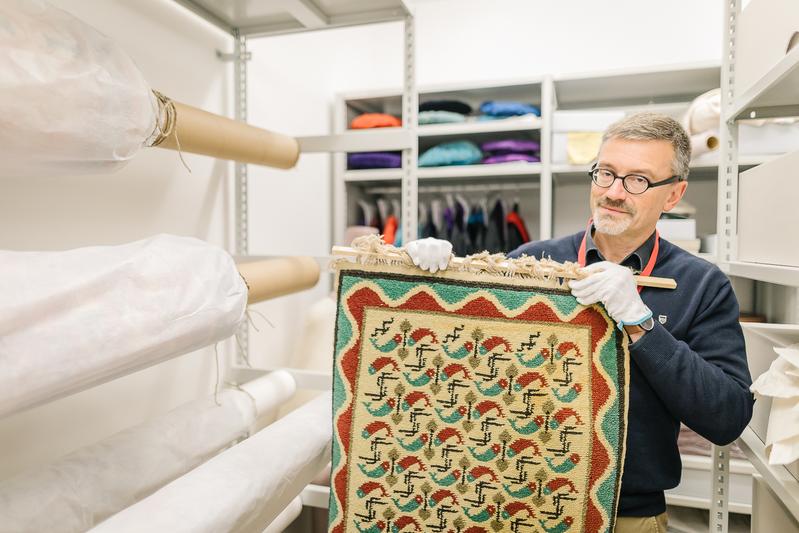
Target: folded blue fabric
[[451, 153], [440, 117], [501, 108]]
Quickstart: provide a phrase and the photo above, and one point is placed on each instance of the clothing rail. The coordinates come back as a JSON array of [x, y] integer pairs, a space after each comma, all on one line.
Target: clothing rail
[[469, 187]]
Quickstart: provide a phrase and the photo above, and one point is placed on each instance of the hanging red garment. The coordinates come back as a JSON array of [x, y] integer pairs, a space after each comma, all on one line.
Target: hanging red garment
[[390, 229], [516, 220]]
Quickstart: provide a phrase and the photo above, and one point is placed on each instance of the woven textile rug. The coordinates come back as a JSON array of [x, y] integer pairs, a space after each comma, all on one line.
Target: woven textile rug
[[473, 402]]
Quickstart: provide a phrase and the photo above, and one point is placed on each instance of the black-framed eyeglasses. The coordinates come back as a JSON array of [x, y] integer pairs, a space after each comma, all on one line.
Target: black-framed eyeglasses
[[633, 183]]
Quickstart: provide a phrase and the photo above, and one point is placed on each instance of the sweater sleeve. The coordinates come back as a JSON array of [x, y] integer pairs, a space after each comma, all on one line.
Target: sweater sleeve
[[704, 382]]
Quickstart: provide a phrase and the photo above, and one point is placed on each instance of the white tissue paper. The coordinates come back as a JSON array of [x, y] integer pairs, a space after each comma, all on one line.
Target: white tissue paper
[[244, 488], [74, 319], [71, 100], [781, 383], [85, 487]]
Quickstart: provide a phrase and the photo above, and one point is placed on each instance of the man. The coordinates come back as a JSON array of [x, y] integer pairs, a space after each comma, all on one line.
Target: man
[[688, 362]]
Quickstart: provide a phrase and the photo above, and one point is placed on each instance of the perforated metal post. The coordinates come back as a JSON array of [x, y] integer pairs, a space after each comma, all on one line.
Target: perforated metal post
[[727, 219], [410, 108], [727, 238], [240, 59], [546, 199]]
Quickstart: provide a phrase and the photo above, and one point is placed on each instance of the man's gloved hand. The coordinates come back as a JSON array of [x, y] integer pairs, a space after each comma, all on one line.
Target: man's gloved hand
[[430, 254], [615, 287]]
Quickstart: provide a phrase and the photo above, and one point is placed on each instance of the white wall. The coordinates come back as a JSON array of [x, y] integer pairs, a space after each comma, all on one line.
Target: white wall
[[294, 78], [153, 194]]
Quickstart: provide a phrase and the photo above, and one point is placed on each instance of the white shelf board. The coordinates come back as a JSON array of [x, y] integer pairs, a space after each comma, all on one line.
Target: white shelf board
[[711, 160], [781, 275], [778, 334], [316, 496], [779, 480], [267, 17], [514, 169], [667, 83], [359, 141], [524, 123], [775, 94], [680, 500], [373, 174]]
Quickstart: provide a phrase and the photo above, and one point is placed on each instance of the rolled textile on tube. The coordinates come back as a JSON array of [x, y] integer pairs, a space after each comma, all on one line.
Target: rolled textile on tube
[[272, 278], [87, 486], [702, 143], [200, 132], [74, 319], [244, 488]]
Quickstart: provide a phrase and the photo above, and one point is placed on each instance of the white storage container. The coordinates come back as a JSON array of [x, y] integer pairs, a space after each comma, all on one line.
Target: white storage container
[[768, 196], [769, 138], [764, 28]]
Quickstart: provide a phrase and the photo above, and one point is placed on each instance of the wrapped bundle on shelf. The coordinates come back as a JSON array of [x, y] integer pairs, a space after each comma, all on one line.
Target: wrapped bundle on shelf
[[87, 486], [74, 319], [244, 488], [73, 102]]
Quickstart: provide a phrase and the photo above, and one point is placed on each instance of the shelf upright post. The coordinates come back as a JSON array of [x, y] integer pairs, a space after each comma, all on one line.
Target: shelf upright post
[[727, 217], [726, 228], [240, 59], [410, 108], [547, 117]]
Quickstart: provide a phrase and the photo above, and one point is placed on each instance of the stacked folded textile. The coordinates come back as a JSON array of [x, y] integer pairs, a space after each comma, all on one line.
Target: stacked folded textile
[[363, 160], [443, 112], [375, 120], [508, 150], [451, 153], [498, 109]]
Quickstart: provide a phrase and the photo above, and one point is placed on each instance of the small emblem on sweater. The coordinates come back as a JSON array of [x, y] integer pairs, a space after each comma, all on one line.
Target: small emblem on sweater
[[662, 319]]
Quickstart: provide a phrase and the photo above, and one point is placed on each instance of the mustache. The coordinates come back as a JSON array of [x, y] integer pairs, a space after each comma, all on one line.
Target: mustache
[[616, 204]]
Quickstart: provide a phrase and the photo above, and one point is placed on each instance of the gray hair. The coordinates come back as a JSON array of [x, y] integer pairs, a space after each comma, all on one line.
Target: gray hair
[[648, 126]]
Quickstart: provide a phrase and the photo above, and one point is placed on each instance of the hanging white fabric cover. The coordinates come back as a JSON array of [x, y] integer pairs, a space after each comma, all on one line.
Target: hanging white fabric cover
[[71, 100], [74, 319], [87, 486], [244, 488]]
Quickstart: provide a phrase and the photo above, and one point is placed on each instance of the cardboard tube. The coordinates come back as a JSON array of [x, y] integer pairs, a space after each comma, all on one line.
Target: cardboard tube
[[277, 277], [200, 132], [704, 142]]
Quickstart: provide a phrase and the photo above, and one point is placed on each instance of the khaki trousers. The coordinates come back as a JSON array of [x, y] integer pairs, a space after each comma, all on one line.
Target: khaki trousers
[[641, 524]]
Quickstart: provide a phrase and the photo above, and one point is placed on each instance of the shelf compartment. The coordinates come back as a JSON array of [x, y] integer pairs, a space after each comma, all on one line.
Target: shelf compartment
[[693, 490], [781, 275], [779, 479]]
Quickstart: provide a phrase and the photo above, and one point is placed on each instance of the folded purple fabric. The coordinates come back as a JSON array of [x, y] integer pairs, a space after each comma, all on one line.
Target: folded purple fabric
[[361, 160], [507, 158], [510, 146]]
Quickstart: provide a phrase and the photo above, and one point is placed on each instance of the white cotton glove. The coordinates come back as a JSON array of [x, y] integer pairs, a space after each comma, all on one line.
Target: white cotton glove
[[430, 254], [614, 286]]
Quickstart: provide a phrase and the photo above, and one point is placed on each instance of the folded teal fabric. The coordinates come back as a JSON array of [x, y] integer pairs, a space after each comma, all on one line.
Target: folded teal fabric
[[451, 153], [440, 117]]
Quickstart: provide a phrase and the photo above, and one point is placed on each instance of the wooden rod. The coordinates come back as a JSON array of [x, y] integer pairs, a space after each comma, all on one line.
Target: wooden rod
[[200, 132], [271, 278], [643, 281]]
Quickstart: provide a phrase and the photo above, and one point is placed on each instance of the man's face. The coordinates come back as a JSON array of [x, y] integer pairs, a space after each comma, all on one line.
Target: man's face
[[616, 211]]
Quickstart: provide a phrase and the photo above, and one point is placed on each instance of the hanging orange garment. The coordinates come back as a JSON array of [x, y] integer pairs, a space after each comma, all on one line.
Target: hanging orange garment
[[516, 220], [390, 229]]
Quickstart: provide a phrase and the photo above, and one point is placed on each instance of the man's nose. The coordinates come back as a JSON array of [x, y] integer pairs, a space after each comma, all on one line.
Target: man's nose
[[616, 191]]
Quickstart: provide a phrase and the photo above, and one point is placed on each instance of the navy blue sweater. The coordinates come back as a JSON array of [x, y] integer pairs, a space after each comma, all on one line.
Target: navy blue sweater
[[690, 369]]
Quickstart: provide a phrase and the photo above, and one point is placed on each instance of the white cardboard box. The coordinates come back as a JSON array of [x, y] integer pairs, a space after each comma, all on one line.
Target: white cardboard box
[[677, 229], [768, 212]]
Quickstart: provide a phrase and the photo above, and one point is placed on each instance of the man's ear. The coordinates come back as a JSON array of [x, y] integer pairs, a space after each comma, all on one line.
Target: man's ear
[[676, 194]]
